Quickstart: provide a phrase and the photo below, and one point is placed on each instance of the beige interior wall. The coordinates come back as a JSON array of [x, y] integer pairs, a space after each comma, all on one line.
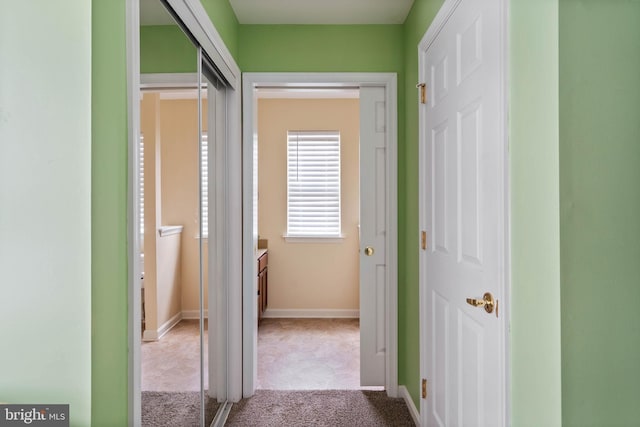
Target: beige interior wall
[[308, 275], [180, 166], [170, 128], [149, 126]]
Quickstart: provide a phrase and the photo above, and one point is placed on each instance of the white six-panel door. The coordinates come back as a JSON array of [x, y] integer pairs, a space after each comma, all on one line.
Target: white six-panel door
[[462, 211], [373, 225]]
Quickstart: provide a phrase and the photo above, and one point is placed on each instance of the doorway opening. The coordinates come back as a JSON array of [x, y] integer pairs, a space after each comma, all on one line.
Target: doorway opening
[[308, 229], [333, 303]]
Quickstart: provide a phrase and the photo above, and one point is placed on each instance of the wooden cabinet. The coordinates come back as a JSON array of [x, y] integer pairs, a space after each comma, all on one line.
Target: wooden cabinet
[[262, 285]]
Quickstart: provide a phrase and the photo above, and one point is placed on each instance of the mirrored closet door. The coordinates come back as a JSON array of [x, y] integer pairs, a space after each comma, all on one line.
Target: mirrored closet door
[[181, 102]]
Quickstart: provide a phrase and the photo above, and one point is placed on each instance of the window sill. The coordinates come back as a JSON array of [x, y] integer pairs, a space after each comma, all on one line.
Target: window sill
[[314, 239]]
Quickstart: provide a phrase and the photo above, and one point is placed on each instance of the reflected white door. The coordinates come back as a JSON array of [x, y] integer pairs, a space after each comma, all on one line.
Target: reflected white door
[[373, 290], [462, 211]]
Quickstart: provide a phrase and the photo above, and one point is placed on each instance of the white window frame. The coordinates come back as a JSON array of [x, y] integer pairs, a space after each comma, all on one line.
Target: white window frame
[[300, 191]]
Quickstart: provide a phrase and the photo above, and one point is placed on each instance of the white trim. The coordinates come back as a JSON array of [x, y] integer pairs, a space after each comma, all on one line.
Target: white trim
[[308, 93], [221, 416], [234, 247], [149, 335], [415, 414], [196, 19], [506, 308], [170, 230], [427, 40], [437, 24], [170, 94], [311, 313], [332, 80], [314, 239], [134, 291], [156, 334], [194, 314], [168, 81]]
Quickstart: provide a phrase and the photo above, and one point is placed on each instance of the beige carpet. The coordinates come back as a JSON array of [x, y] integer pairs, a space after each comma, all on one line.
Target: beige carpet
[[173, 409], [309, 354], [322, 408]]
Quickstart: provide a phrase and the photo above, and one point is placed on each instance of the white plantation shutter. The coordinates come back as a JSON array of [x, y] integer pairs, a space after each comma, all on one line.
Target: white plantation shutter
[[313, 184], [204, 165], [141, 181]]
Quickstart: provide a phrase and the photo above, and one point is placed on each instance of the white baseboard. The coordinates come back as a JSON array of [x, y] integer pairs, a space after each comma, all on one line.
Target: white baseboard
[[194, 314], [155, 335], [311, 313], [150, 335], [415, 414]]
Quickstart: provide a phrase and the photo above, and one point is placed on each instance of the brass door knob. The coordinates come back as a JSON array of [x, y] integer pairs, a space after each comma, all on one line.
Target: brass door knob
[[487, 302], [368, 251]]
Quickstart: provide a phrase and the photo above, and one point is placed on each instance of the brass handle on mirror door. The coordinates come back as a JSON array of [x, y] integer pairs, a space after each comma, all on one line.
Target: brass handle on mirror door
[[368, 251], [487, 302]]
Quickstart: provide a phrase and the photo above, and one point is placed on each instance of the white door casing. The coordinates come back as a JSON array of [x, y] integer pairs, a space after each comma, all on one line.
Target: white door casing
[[373, 224], [388, 83], [463, 212]]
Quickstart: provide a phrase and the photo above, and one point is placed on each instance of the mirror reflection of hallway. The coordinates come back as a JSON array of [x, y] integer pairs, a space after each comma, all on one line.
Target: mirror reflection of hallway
[[170, 352], [173, 201]]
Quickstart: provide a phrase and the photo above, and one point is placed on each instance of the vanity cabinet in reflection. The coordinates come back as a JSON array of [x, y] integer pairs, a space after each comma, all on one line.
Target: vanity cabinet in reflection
[[262, 284]]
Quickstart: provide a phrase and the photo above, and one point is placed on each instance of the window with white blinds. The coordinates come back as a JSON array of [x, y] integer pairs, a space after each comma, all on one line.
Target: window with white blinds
[[313, 184], [204, 169]]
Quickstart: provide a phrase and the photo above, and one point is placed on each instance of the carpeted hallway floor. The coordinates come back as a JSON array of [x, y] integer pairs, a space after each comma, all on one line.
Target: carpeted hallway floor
[[308, 375], [320, 408], [175, 409]]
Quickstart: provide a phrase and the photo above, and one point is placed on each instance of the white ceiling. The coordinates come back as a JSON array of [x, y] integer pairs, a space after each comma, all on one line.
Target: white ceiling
[[298, 11]]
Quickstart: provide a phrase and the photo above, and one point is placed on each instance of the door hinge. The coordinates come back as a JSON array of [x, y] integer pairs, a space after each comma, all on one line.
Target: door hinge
[[423, 240], [423, 92], [424, 388]]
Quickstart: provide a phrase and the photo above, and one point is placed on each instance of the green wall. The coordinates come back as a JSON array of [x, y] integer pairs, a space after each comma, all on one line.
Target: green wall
[[321, 48], [109, 362], [166, 49], [419, 19], [225, 21], [600, 211], [535, 238], [45, 205]]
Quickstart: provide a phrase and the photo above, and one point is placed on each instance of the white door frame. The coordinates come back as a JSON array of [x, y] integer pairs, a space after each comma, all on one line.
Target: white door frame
[[197, 20], [445, 12], [249, 330]]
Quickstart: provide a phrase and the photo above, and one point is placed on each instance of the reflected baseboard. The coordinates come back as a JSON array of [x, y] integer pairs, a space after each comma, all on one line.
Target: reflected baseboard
[[194, 314], [156, 334]]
